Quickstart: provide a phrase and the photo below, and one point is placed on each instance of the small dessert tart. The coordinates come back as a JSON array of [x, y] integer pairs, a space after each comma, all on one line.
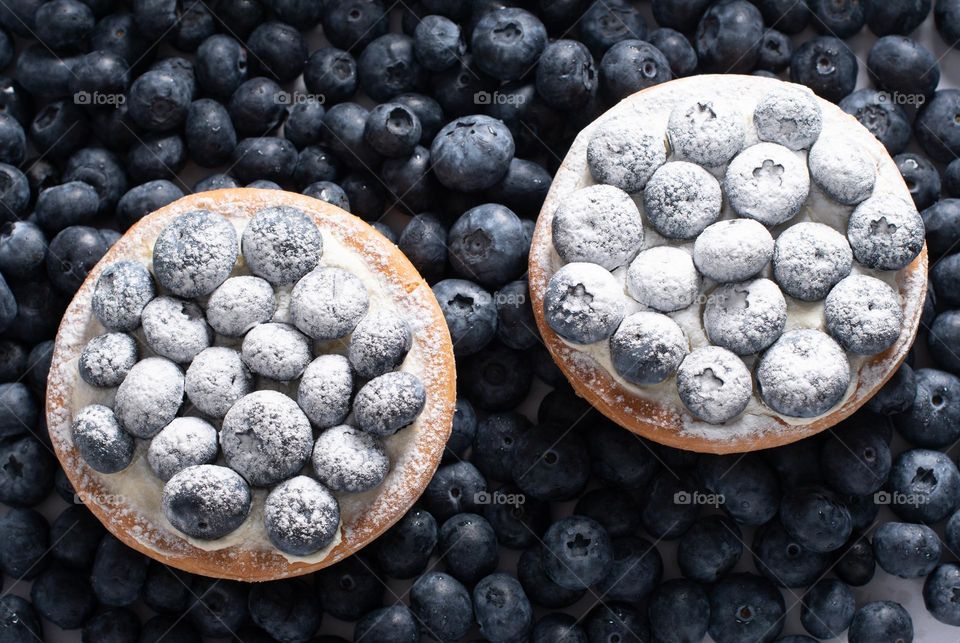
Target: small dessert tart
[[727, 263], [251, 385]]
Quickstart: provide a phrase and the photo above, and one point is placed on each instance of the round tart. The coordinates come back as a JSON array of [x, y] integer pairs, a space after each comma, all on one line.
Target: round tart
[[727, 263], [237, 389]]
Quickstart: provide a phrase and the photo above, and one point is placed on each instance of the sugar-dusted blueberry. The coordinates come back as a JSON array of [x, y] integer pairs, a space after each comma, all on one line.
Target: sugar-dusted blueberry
[[681, 199], [107, 358], [185, 442], [842, 169], [733, 250], [881, 621], [387, 403], [216, 379], [583, 303], [266, 438], [789, 116], [827, 66], [301, 516], [728, 37], [325, 390], [809, 259], [577, 552], [599, 224], [804, 374], [623, 154], [487, 244], [472, 153], [647, 348], [885, 232], [149, 397], [745, 317], [176, 328], [276, 350], [239, 304], [767, 182], [206, 501], [100, 439], [281, 244], [630, 66], [714, 384], [379, 343], [706, 132], [348, 459], [195, 254], [328, 302], [864, 314]]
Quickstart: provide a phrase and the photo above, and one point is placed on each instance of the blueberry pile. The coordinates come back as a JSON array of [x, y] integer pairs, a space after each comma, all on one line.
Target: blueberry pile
[[106, 109]]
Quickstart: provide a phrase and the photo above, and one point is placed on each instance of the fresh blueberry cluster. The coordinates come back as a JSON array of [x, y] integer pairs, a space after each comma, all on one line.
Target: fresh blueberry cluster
[[265, 437], [650, 240], [111, 109]]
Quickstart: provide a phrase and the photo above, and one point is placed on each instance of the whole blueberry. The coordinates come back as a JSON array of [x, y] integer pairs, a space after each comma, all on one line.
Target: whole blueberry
[[538, 586], [558, 627], [604, 24], [19, 621], [221, 65], [886, 120], [315, 163], [782, 559], [897, 17], [748, 485], [219, 607], [677, 49], [393, 624], [353, 24], [472, 153], [63, 597], [68, 204], [158, 100], [15, 192], [936, 128], [938, 592], [924, 486], [506, 43], [455, 488], [881, 621], [388, 67], [550, 464], [932, 419], [304, 122], [332, 74], [679, 611], [776, 49], [485, 244], [405, 549], [71, 255], [144, 199], [438, 42], [566, 76], [76, 535], [23, 250], [156, 156], [666, 510], [43, 73], [577, 552], [63, 25], [728, 37], [709, 549], [13, 142], [942, 221], [826, 65], [265, 157], [946, 14], [855, 460], [745, 607], [841, 18], [921, 177], [277, 50], [392, 129], [442, 605], [428, 112], [470, 312], [827, 608], [257, 106], [102, 170], [497, 379], [26, 543], [856, 564], [945, 276], [818, 521], [328, 192], [682, 15], [468, 546], [632, 65], [906, 549], [350, 588], [59, 129], [904, 68], [410, 183], [343, 132], [523, 188], [502, 609]]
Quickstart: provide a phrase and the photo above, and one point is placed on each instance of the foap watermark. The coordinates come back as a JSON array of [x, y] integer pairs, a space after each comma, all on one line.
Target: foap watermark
[[499, 498], [698, 498], [497, 98], [101, 499], [99, 99], [298, 98], [509, 298], [899, 498], [899, 98]]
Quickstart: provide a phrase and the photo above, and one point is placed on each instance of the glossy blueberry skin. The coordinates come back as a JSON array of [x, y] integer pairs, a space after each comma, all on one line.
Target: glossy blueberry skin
[[677, 50], [59, 129], [470, 313], [329, 192], [158, 100], [215, 182], [101, 71], [936, 129], [63, 25], [945, 277], [353, 24], [946, 14], [63, 597], [495, 441], [827, 66], [932, 420], [118, 573], [221, 65], [523, 188], [558, 627], [73, 252], [538, 586], [472, 153], [409, 182], [900, 64], [928, 475], [23, 250], [112, 625], [577, 552], [388, 67], [428, 112], [442, 605], [331, 73], [827, 608], [518, 525], [503, 611], [454, 489], [304, 122], [343, 129], [506, 43], [468, 546], [349, 589], [392, 129], [219, 607], [566, 76], [842, 19], [405, 550], [632, 65], [487, 244], [887, 121], [922, 178], [881, 621], [906, 549], [497, 379], [818, 521], [855, 460], [738, 595], [85, 533], [195, 24], [938, 591], [888, 17], [749, 482], [776, 49], [550, 464], [424, 241], [438, 43], [779, 557], [365, 195], [941, 222], [856, 564], [257, 106], [679, 611], [277, 50], [709, 549], [42, 73], [728, 37], [393, 624], [143, 199], [315, 163], [12, 141], [682, 15], [157, 156], [265, 157], [26, 542]]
